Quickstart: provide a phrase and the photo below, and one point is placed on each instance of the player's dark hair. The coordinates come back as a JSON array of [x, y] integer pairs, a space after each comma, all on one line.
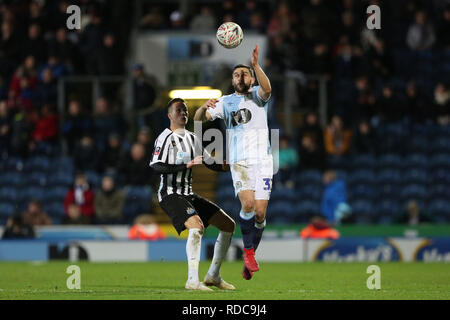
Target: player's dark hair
[[245, 66], [174, 100]]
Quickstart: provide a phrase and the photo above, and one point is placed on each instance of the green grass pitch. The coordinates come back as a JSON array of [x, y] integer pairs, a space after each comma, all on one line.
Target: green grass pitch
[[274, 281]]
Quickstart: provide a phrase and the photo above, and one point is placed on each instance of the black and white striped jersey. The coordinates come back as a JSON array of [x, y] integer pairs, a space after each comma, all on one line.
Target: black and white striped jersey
[[172, 148]]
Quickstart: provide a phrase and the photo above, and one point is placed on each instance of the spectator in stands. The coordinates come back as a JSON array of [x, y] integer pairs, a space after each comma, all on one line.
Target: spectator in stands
[[81, 195], [365, 103], [135, 167], [337, 139], [334, 200], [257, 22], [443, 29], [109, 58], [86, 155], [145, 92], [46, 126], [319, 228], [9, 48], [109, 203], [244, 14], [76, 124], [154, 19], [25, 73], [74, 216], [110, 159], [227, 11], [46, 91], [312, 156], [35, 216], [365, 140], [105, 123], [389, 107], [413, 215], [63, 48], [205, 20], [315, 22], [37, 15], [146, 228], [91, 40], [420, 34], [415, 106], [54, 64], [442, 103], [288, 162], [20, 134], [312, 128], [177, 20], [5, 128], [144, 138], [17, 229]]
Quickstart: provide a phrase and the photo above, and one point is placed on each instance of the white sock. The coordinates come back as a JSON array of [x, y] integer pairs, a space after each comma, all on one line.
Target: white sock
[[193, 250], [220, 251]]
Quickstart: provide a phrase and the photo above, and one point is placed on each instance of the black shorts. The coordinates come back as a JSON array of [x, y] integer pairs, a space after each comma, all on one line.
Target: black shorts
[[180, 208]]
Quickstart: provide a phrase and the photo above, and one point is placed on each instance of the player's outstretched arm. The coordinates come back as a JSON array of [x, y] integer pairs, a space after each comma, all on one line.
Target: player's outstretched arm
[[202, 113], [265, 88]]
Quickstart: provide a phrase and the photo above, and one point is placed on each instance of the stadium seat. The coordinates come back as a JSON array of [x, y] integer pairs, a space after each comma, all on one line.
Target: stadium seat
[[309, 177], [438, 191], [418, 144], [337, 162], [440, 161], [309, 192], [9, 195], [55, 194], [439, 207], [37, 179], [6, 210], [362, 207], [361, 176], [416, 161], [413, 192], [440, 145], [282, 194], [11, 179], [225, 192], [55, 209], [439, 176], [307, 207], [386, 207], [94, 179], [13, 164], [139, 199], [389, 176], [387, 191], [280, 207], [30, 193], [61, 178], [418, 176], [363, 161], [41, 164], [391, 161], [361, 192]]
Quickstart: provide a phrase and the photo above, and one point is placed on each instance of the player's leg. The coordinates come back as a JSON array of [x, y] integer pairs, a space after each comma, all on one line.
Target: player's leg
[[226, 225], [193, 250], [260, 221]]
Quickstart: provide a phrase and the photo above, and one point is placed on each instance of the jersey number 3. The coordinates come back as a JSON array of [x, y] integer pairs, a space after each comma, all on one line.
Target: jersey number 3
[[267, 184]]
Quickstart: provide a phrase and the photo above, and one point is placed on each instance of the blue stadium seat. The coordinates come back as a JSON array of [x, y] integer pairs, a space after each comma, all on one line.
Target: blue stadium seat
[[363, 161], [139, 199], [139, 193], [361, 176], [415, 160], [64, 164], [55, 194], [440, 145], [280, 207], [440, 161], [11, 179], [389, 176], [13, 164], [389, 161], [337, 162], [385, 207], [94, 179], [414, 192], [362, 207], [55, 209], [282, 194], [61, 178], [6, 210], [439, 176], [438, 191], [307, 207], [231, 207], [309, 192], [9, 195], [30, 193], [225, 192], [439, 207], [387, 191], [34, 164], [418, 144], [418, 176], [310, 177], [37, 179], [361, 192]]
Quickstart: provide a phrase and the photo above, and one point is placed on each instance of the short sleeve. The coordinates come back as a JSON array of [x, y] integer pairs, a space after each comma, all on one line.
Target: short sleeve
[[256, 94], [161, 149], [217, 112]]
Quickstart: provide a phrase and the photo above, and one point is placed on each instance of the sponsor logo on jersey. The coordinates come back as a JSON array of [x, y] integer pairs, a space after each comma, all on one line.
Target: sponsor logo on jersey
[[190, 211], [157, 151]]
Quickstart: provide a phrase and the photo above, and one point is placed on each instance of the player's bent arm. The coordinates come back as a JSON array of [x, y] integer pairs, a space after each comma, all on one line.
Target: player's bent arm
[[265, 89], [162, 167], [217, 167], [202, 114]]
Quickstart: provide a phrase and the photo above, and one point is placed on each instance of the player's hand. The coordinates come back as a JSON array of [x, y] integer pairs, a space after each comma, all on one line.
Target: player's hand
[[211, 103], [255, 56], [197, 160], [225, 166]]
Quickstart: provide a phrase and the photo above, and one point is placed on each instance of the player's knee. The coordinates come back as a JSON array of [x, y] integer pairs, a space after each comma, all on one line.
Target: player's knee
[[248, 205], [260, 215], [195, 222]]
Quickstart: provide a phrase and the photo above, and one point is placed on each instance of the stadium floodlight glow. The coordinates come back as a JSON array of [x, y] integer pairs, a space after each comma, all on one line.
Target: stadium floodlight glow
[[196, 93]]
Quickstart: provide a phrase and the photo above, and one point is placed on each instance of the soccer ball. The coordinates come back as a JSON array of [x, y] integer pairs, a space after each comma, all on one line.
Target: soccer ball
[[229, 35]]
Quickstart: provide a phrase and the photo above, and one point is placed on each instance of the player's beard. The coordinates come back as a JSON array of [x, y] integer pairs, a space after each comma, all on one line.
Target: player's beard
[[241, 87]]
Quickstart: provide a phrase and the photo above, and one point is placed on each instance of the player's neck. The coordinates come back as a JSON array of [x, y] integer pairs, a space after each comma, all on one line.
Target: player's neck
[[177, 129]]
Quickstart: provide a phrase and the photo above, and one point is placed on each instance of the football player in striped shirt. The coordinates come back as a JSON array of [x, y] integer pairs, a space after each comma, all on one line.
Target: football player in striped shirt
[[176, 152]]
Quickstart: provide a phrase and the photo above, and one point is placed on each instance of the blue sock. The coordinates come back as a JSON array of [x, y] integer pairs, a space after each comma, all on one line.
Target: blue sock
[[247, 222], [259, 229]]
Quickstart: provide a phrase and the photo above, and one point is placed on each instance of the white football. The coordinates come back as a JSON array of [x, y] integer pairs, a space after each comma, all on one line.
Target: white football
[[230, 35]]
